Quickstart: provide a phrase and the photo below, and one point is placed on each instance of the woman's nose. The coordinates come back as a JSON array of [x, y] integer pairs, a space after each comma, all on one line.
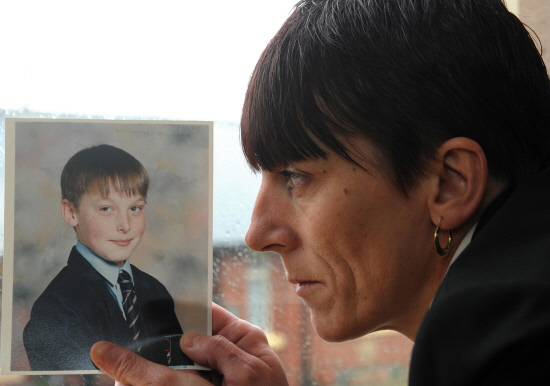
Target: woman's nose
[[270, 227]]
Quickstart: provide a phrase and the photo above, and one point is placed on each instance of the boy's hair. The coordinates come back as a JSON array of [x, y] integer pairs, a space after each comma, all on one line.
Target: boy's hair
[[405, 74], [103, 167]]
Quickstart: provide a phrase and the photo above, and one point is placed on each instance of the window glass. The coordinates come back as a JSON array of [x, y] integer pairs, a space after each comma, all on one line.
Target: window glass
[[184, 60]]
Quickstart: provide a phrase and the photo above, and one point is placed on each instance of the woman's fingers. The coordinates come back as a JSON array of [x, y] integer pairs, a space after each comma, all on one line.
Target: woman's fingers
[[239, 351], [128, 368], [240, 332], [253, 363]]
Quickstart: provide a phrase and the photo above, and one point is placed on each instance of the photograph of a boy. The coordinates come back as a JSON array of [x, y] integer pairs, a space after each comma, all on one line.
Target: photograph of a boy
[[99, 295]]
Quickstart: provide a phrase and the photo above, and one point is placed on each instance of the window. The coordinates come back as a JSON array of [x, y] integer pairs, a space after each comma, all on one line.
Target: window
[[188, 61]]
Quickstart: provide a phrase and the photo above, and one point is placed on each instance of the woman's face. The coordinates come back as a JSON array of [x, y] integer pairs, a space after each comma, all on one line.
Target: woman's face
[[358, 250]]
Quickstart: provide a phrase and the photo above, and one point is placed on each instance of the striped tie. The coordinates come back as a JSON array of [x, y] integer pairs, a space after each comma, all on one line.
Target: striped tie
[[129, 305]]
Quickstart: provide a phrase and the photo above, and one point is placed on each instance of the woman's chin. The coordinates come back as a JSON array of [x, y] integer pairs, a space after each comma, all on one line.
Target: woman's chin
[[331, 330]]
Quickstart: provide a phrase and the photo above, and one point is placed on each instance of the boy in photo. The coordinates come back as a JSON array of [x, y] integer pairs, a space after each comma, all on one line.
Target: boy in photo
[[99, 295]]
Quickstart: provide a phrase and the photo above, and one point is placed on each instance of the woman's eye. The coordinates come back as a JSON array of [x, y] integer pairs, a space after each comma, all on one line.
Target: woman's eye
[[104, 209], [293, 179]]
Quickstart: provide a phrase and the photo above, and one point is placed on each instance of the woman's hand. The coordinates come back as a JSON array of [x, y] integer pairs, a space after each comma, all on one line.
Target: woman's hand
[[238, 353]]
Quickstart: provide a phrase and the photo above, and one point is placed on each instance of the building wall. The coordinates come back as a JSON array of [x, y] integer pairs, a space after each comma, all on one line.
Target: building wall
[[536, 14]]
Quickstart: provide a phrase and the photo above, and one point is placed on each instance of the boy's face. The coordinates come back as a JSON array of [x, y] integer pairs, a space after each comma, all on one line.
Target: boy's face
[[111, 226]]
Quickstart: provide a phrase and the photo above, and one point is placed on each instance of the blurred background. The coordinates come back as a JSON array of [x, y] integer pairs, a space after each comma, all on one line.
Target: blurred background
[[189, 60]]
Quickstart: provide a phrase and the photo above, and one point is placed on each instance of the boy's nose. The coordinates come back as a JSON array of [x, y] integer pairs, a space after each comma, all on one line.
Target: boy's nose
[[123, 224]]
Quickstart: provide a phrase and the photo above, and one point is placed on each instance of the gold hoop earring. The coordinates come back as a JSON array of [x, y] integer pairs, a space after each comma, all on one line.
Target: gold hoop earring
[[440, 251]]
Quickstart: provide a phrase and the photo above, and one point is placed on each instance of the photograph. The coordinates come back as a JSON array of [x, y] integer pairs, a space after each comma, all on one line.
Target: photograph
[[108, 237]]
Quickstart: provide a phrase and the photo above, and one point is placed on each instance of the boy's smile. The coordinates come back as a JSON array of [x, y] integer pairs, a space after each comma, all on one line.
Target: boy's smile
[[111, 226]]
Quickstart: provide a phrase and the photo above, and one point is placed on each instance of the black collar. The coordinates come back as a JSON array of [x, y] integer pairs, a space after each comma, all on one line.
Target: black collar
[[493, 208]]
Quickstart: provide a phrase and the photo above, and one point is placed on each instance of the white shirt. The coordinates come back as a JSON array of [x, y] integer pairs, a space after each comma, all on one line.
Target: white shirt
[[463, 244], [108, 270]]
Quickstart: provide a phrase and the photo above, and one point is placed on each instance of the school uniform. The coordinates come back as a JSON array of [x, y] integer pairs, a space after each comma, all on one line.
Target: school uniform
[[79, 308]]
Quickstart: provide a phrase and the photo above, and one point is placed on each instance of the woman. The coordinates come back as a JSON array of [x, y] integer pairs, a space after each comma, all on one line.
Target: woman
[[403, 148]]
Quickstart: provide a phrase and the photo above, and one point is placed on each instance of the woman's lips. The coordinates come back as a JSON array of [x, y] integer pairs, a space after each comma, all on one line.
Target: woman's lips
[[305, 288]]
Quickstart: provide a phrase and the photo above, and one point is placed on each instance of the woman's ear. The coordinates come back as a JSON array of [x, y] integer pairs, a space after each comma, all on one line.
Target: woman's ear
[[460, 181], [68, 212]]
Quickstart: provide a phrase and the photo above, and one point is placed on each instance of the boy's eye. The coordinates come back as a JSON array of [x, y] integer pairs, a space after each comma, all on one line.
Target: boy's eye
[[136, 208]]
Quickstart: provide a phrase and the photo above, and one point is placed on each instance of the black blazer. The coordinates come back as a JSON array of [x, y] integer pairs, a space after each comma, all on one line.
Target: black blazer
[[77, 309], [489, 323]]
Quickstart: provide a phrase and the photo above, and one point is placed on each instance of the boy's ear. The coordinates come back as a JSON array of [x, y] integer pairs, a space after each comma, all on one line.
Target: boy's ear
[[459, 182], [68, 212]]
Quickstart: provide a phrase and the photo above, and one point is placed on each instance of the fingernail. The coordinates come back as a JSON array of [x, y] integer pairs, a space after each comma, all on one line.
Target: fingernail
[[189, 339], [100, 351]]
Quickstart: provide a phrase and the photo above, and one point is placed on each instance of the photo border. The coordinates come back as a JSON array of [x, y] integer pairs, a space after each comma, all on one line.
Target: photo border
[[9, 236]]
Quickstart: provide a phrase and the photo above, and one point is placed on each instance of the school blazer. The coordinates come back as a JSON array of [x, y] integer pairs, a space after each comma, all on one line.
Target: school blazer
[[77, 309], [489, 323]]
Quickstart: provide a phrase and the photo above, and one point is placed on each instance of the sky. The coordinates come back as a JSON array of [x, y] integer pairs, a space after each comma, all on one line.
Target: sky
[[180, 59], [177, 60]]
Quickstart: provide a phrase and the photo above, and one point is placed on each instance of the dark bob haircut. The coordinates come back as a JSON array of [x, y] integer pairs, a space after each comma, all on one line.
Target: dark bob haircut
[[102, 168], [407, 75]]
